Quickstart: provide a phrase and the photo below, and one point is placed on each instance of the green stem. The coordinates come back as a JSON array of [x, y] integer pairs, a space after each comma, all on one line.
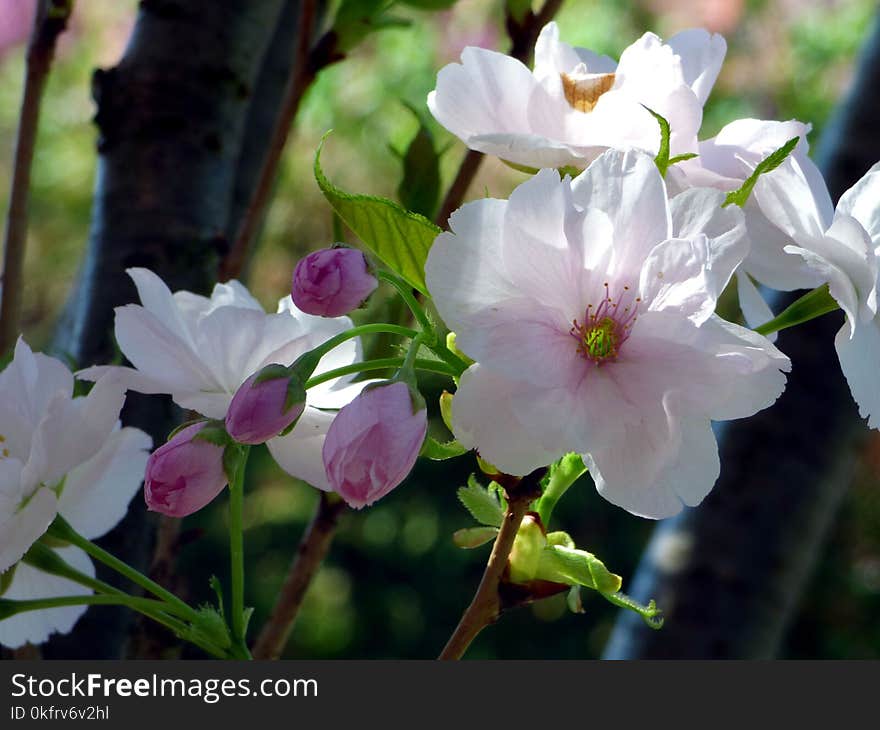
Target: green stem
[[378, 364], [406, 294], [61, 529], [364, 329], [10, 607], [236, 551], [813, 304]]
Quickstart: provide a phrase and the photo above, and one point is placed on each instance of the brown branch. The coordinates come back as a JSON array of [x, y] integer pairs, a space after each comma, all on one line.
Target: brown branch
[[50, 20], [307, 63], [485, 608], [311, 552], [523, 34]]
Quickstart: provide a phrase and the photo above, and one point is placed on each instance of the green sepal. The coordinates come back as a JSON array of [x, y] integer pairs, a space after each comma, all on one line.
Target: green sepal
[[209, 627], [472, 537], [452, 346], [441, 450], [741, 195], [214, 433], [560, 538], [6, 578], [396, 236], [813, 304], [296, 394], [561, 564], [482, 503], [681, 158], [275, 371], [487, 468], [520, 168], [185, 424]]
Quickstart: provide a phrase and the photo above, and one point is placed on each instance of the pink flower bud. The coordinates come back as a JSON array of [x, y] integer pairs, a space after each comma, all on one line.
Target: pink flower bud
[[263, 406], [373, 443], [183, 475], [332, 282]]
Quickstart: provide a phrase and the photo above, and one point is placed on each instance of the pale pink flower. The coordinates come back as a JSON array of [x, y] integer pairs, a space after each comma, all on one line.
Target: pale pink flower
[[576, 103], [373, 443], [588, 306], [332, 282], [840, 247]]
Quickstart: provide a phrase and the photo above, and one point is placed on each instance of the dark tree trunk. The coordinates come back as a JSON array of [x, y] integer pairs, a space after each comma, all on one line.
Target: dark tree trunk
[[173, 118], [730, 573]]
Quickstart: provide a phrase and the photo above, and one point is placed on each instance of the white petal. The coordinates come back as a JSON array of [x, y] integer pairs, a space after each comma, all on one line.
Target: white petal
[[35, 627], [862, 202], [795, 199], [233, 294], [157, 353], [552, 56], [157, 299], [486, 414], [97, 493], [755, 310], [628, 188], [533, 150], [21, 528], [701, 55], [299, 453], [859, 356]]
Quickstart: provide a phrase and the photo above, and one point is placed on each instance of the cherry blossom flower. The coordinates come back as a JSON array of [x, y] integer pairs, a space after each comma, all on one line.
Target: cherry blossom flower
[[724, 162], [200, 350], [841, 248], [58, 455], [576, 103], [588, 307]]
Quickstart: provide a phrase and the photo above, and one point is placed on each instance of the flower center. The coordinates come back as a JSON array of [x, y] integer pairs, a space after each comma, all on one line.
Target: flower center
[[583, 90], [606, 326]]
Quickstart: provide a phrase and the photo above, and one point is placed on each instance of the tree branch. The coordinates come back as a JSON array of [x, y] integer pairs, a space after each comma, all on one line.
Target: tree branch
[[50, 20], [310, 554]]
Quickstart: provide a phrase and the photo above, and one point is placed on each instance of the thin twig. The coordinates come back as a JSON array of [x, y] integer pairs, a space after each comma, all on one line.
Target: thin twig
[[523, 35], [308, 61], [50, 20], [485, 608], [309, 556]]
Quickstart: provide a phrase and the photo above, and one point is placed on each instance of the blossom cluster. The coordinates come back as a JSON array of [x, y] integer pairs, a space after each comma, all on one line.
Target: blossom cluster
[[583, 309]]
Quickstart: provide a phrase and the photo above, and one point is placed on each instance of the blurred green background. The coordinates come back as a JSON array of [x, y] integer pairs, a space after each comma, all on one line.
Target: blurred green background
[[394, 585]]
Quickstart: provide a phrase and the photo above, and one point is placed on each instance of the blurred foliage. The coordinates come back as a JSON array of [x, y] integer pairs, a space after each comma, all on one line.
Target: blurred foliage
[[394, 584]]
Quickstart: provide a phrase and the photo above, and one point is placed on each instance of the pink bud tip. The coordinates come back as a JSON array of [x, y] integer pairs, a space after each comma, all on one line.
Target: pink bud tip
[[257, 412], [184, 475], [373, 443], [332, 282]]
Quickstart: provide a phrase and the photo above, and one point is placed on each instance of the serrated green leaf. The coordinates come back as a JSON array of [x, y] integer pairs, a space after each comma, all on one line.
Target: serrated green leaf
[[741, 195], [562, 564], [419, 189], [208, 627], [472, 537], [650, 614], [441, 450], [662, 158], [398, 237], [483, 505]]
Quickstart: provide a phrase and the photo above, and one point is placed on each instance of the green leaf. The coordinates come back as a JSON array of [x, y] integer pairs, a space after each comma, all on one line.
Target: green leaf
[[481, 503], [208, 627], [562, 564], [400, 238], [473, 537], [419, 189], [662, 159], [429, 4], [768, 164], [355, 19], [561, 476], [813, 304], [440, 450], [651, 615]]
